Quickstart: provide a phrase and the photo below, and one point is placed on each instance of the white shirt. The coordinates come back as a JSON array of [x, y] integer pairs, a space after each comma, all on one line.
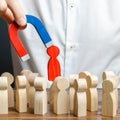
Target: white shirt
[[87, 33]]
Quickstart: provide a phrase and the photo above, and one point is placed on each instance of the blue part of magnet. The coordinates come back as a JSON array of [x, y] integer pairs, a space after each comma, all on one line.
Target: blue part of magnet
[[45, 37]]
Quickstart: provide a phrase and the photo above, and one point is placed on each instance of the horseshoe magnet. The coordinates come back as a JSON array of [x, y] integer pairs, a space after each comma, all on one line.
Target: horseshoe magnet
[[52, 50]]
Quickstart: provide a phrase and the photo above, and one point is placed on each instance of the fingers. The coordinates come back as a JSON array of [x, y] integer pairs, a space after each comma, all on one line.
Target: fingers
[[3, 7], [8, 16], [11, 10], [17, 11]]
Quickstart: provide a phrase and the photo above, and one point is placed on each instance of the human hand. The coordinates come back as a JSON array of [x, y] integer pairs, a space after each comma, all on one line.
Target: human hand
[[11, 10]]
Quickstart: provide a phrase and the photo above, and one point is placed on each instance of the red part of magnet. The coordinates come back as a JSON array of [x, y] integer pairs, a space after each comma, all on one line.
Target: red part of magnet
[[15, 40], [53, 64]]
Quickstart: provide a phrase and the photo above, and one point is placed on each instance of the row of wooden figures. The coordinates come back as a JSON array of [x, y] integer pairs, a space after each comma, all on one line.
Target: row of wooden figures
[[75, 96]]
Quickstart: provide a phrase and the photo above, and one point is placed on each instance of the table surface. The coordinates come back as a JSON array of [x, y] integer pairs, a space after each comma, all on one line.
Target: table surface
[[13, 115]]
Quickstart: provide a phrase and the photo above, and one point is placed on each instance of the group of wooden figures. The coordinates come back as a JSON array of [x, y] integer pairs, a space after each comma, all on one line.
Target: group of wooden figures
[[73, 96]]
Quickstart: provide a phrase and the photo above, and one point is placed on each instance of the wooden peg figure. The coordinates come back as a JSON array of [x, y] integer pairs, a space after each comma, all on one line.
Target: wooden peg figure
[[92, 94], [83, 74], [21, 93], [52, 92], [80, 102], [40, 101], [115, 78], [26, 73], [72, 91], [10, 80], [54, 69], [3, 95], [61, 97], [111, 76], [31, 92], [107, 74], [109, 105]]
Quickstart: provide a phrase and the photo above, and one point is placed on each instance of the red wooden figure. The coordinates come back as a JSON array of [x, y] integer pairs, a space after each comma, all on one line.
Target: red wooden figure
[[53, 64]]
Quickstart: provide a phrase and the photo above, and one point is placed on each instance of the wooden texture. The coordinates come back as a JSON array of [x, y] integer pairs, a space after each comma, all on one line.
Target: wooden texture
[[10, 80], [21, 94], [73, 77], [92, 95], [80, 101], [13, 115], [3, 95], [83, 74], [61, 98], [110, 75], [40, 100], [31, 91], [107, 74], [52, 92], [26, 73], [109, 104]]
